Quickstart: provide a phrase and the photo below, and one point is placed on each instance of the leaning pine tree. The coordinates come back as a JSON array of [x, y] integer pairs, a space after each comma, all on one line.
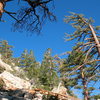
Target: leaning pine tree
[[83, 78], [86, 54], [87, 36]]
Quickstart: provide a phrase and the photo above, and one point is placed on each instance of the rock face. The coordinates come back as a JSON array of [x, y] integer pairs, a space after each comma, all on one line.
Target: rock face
[[13, 87], [14, 81], [60, 90]]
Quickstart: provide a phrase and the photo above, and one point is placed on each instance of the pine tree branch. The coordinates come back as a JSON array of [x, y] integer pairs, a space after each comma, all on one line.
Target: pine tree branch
[[95, 38], [92, 77], [94, 35], [79, 67], [87, 53]]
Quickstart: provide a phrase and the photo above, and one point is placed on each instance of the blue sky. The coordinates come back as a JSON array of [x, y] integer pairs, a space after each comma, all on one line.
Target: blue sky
[[52, 35]]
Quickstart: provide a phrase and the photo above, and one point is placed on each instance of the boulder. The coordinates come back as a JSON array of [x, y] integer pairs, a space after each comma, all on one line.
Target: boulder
[[60, 90], [12, 81]]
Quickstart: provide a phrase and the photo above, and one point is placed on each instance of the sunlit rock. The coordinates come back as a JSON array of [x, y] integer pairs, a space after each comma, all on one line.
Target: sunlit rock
[[12, 81]]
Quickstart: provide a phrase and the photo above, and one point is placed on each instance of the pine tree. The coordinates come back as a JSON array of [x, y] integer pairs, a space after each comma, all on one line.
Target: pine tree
[[29, 64], [48, 74], [85, 33], [82, 78], [85, 57], [5, 50]]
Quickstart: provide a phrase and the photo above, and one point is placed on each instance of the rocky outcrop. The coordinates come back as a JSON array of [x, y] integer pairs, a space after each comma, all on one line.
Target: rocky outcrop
[[13, 81], [60, 90], [12, 87]]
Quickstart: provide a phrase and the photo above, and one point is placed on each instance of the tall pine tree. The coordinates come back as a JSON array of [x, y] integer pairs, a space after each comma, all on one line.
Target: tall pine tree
[[82, 78], [85, 57], [29, 64], [48, 73], [5, 49], [6, 52]]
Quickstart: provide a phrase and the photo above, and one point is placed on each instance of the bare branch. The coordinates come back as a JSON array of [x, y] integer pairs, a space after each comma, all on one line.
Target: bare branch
[[10, 14]]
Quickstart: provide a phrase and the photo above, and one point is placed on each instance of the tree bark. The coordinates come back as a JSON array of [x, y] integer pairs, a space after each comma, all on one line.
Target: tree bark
[[95, 38], [85, 90]]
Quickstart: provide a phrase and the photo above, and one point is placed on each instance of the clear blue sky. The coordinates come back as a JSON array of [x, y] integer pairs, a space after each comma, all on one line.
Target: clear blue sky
[[52, 35]]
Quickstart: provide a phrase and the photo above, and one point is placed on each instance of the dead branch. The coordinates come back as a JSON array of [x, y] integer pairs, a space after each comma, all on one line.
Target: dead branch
[[45, 92]]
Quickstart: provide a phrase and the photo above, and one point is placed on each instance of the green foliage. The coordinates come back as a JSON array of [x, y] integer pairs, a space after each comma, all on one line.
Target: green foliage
[[84, 32], [27, 59], [91, 89], [97, 28], [96, 97], [48, 74], [43, 75], [5, 49], [78, 87], [29, 64], [85, 75], [6, 52], [82, 64]]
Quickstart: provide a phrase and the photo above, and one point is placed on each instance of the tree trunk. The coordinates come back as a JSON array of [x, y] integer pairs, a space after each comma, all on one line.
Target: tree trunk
[[86, 93], [96, 39], [85, 90]]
